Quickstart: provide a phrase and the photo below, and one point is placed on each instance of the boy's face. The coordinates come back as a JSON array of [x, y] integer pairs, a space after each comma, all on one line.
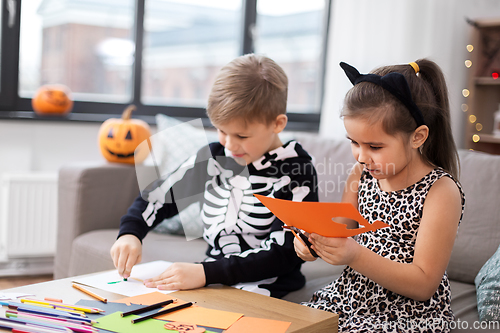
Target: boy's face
[[247, 142]]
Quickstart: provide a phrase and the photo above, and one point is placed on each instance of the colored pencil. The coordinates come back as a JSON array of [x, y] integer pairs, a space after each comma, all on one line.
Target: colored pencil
[[31, 321], [147, 308], [22, 328], [54, 321], [175, 308], [88, 292], [4, 322], [60, 308], [41, 310], [79, 321], [63, 305], [53, 299], [63, 308]]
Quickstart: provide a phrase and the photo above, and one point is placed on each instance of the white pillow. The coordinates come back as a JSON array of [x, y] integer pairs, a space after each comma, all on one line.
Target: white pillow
[[174, 142]]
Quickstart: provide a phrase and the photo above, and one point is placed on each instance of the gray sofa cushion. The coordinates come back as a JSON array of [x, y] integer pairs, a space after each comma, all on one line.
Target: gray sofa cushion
[[479, 234], [333, 161], [91, 196]]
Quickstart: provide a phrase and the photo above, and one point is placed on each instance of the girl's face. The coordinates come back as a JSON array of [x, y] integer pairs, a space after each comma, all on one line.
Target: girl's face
[[384, 156]]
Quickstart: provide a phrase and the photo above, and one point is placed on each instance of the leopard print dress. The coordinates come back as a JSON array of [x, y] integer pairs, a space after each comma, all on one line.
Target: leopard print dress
[[365, 306]]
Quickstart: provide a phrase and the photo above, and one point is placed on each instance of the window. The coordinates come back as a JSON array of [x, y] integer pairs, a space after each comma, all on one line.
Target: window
[[161, 55], [185, 44], [85, 45], [291, 33]]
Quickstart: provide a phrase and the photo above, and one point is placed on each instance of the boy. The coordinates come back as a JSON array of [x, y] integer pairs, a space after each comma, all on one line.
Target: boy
[[247, 247]]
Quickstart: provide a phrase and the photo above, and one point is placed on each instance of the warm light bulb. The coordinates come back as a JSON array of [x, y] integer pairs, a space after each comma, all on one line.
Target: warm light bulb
[[472, 118], [468, 63], [465, 92], [479, 127], [476, 138], [470, 48], [465, 107]]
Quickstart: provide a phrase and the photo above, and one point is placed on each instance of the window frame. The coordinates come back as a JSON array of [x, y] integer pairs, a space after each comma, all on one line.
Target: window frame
[[12, 106], [9, 80]]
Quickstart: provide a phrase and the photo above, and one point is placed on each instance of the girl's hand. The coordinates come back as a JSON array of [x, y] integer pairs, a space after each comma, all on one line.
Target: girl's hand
[[126, 252], [179, 276], [303, 251], [335, 251]]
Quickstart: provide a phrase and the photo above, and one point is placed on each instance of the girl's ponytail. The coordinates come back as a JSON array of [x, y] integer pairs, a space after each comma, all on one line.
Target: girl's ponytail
[[439, 148]]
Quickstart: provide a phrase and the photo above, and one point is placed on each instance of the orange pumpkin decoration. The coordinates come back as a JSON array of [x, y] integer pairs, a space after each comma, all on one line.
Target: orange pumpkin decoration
[[52, 99], [119, 138]]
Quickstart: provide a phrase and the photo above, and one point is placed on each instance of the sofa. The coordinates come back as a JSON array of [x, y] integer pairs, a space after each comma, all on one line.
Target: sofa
[[93, 197]]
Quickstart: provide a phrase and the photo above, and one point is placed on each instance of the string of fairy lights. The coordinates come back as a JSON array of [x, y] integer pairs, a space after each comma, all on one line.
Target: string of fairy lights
[[466, 93], [465, 107]]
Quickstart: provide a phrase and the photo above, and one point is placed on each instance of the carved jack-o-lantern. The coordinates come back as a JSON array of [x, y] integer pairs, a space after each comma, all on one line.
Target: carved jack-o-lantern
[[119, 138], [52, 99]]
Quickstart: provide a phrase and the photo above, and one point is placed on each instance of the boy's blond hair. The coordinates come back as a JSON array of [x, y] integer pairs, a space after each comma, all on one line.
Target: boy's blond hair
[[251, 87]]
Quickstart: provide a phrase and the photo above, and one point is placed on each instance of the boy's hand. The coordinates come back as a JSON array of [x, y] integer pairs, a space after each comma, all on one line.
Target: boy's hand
[[335, 251], [126, 252], [303, 251], [179, 276]]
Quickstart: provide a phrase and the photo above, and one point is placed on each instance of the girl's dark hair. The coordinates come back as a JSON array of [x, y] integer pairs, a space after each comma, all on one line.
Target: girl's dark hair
[[429, 92]]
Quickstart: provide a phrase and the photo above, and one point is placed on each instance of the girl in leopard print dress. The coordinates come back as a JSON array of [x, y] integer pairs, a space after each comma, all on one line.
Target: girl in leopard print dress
[[397, 119]]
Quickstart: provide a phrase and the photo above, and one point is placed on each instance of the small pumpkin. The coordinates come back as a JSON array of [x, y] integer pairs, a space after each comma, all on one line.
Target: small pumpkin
[[119, 138], [52, 99]]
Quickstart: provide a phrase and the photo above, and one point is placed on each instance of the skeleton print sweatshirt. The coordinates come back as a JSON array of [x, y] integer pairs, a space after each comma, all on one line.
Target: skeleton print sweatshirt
[[247, 247]]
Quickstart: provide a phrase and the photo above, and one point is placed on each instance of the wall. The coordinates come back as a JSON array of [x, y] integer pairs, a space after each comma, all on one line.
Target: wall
[[43, 146], [368, 34], [28, 146]]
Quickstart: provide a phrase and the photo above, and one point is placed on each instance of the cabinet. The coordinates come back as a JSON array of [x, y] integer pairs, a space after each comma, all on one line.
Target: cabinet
[[482, 96]]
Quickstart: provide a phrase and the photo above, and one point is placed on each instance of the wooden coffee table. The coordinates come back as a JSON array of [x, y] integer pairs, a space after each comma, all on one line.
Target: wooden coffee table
[[303, 319]]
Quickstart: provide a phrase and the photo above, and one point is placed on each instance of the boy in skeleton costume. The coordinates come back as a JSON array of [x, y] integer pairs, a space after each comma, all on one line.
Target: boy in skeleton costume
[[247, 247]]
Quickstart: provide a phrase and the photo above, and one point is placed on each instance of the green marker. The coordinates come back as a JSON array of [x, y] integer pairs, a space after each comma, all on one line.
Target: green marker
[[124, 279]]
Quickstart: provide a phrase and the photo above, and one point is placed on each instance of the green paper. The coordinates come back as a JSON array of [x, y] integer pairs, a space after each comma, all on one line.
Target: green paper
[[116, 323]]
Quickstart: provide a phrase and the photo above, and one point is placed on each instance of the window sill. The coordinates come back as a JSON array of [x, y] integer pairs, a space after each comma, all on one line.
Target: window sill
[[296, 121]]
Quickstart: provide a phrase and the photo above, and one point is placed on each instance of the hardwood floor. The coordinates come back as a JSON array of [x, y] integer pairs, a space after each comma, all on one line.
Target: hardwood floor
[[17, 281]]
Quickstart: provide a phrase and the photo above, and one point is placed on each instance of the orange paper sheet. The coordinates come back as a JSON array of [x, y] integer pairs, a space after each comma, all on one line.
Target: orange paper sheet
[[203, 317], [252, 325], [145, 299], [194, 314], [317, 217]]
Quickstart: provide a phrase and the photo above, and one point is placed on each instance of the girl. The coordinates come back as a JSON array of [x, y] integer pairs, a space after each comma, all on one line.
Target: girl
[[398, 121]]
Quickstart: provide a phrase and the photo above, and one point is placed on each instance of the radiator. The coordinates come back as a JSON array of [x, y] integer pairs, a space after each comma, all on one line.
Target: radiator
[[28, 224]]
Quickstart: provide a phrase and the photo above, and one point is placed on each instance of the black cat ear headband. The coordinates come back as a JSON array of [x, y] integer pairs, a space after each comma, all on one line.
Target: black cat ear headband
[[395, 83]]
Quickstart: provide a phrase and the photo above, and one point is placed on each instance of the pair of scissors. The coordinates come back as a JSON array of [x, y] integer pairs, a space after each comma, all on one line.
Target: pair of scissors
[[301, 237]]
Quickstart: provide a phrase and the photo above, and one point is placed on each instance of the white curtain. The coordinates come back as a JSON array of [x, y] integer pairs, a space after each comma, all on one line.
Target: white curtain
[[372, 33]]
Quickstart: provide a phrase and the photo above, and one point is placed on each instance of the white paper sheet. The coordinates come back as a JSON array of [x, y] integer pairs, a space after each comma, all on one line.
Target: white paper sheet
[[131, 287]]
